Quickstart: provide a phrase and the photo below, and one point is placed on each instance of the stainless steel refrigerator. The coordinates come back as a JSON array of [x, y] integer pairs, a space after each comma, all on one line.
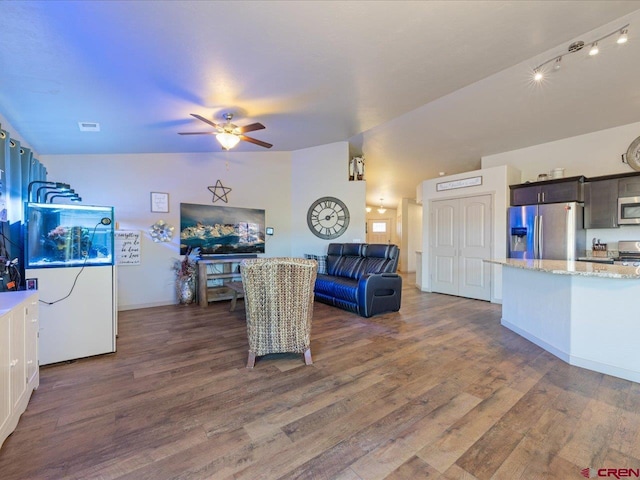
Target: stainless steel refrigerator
[[553, 231]]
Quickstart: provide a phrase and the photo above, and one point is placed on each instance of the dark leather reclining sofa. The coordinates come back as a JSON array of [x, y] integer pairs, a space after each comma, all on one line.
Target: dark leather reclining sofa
[[361, 278]]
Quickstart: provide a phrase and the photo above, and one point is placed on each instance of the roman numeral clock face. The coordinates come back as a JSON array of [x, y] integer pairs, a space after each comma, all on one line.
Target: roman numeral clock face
[[328, 218]]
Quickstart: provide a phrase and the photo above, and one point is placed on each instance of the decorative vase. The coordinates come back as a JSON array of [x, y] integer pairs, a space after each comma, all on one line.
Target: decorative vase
[[186, 290]]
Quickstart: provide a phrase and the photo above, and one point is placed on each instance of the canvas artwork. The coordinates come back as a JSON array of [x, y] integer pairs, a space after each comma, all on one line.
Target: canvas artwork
[[221, 230]]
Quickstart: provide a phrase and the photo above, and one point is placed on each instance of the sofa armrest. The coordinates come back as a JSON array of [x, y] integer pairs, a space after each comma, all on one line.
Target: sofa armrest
[[379, 292]]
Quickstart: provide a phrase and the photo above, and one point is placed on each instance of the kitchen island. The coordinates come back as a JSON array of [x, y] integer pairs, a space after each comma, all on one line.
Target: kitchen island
[[584, 313]]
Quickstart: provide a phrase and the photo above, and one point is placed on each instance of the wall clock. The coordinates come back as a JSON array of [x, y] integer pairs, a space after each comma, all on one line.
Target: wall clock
[[633, 154], [328, 218]]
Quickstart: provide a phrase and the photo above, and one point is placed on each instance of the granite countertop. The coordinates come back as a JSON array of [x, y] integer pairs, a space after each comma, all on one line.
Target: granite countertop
[[564, 267]]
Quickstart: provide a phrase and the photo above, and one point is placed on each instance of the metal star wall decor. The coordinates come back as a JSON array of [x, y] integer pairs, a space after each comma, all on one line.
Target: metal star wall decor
[[217, 196]]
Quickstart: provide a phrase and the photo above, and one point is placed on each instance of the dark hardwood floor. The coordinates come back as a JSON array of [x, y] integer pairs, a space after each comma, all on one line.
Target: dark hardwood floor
[[438, 390]]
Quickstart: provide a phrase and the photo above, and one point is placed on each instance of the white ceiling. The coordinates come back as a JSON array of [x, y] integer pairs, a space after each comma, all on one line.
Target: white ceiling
[[419, 86]]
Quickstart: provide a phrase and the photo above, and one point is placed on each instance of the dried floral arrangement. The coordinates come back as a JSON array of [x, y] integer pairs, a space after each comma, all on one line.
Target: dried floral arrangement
[[187, 267]]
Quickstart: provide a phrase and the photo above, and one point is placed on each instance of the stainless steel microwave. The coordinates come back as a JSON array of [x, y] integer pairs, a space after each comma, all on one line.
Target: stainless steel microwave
[[628, 210]]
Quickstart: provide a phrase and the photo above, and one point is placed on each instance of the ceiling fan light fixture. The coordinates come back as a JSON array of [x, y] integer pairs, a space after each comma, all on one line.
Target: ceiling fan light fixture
[[227, 140]]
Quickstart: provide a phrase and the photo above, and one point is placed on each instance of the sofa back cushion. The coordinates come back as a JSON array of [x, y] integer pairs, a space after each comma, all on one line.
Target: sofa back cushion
[[381, 258], [352, 260], [345, 259]]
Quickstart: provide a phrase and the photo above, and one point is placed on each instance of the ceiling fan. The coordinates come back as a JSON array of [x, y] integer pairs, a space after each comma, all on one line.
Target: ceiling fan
[[229, 134]]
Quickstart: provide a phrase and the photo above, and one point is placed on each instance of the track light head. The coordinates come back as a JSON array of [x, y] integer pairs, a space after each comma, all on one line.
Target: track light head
[[537, 75], [623, 38]]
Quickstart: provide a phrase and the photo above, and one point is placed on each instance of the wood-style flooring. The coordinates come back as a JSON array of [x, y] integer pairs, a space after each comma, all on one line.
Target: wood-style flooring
[[439, 390]]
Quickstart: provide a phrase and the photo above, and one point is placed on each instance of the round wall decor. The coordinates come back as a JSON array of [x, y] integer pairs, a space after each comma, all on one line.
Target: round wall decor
[[328, 218], [633, 154]]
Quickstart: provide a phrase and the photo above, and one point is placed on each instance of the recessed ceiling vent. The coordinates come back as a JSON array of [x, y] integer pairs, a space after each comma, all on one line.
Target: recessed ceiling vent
[[89, 126]]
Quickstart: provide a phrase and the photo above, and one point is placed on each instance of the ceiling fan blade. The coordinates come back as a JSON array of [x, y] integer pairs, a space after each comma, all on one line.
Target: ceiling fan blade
[[251, 128], [205, 120], [257, 142], [196, 133]]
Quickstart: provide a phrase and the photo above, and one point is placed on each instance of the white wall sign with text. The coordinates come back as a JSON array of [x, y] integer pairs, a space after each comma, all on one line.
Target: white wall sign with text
[[127, 247], [462, 183]]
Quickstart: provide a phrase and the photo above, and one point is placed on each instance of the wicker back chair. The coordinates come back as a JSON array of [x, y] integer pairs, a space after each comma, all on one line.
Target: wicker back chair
[[278, 295]]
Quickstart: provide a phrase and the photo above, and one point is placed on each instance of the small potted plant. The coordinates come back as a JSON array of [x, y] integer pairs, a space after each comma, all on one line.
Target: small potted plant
[[185, 270]]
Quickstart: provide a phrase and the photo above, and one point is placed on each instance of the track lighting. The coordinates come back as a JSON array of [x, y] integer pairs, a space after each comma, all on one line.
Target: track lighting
[[539, 71], [557, 65], [623, 37]]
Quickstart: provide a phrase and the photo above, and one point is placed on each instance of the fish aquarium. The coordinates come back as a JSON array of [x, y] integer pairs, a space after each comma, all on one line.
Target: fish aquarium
[[68, 235]]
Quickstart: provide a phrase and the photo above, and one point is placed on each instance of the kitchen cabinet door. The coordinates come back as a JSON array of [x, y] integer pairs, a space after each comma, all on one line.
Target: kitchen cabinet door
[[18, 363], [552, 191], [629, 187], [601, 204], [31, 327], [18, 346], [562, 192], [5, 375], [525, 195]]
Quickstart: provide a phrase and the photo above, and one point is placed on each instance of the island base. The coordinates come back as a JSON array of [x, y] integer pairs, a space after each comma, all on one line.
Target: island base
[[586, 321]]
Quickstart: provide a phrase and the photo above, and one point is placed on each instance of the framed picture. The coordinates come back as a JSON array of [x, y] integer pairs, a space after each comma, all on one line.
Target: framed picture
[[160, 202]]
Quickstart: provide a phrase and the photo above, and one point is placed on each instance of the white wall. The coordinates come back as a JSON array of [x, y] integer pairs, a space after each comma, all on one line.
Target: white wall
[[284, 184], [323, 172], [594, 154], [409, 234], [257, 180], [414, 235], [495, 182]]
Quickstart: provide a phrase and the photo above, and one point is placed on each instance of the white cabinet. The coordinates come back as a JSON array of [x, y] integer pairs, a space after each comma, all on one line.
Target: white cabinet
[[84, 323], [19, 372], [5, 374], [31, 332]]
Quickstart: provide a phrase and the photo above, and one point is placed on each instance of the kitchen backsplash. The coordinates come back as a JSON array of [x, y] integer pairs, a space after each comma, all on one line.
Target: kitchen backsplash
[[611, 236]]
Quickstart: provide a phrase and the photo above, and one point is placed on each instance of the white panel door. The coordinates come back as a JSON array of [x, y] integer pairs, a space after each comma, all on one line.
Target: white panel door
[[444, 242], [378, 231], [475, 246], [460, 241]]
